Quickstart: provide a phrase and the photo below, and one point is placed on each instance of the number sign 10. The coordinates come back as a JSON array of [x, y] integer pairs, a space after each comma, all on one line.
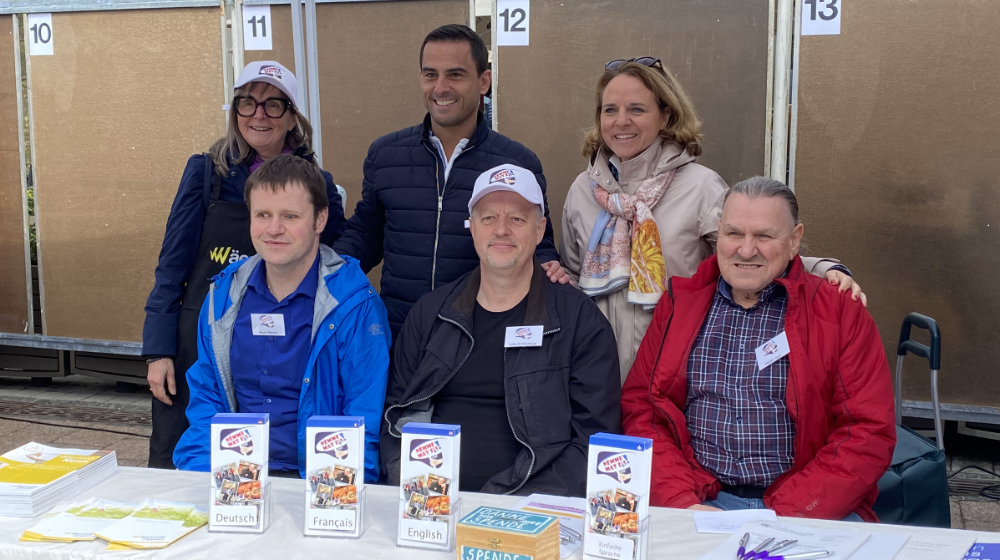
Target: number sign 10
[[39, 35], [513, 22]]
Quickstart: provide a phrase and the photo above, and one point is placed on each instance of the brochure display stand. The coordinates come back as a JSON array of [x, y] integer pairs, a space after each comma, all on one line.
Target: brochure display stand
[[239, 499], [617, 513], [428, 486], [335, 477]]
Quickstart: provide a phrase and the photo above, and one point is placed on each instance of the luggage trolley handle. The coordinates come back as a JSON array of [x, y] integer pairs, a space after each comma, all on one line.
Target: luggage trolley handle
[[933, 355]]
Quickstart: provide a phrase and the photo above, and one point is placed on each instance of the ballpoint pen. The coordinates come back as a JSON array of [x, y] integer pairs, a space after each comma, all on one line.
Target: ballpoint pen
[[813, 555], [743, 546]]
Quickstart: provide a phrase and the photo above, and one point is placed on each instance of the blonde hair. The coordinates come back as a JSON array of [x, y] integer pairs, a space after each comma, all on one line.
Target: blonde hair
[[683, 125], [233, 149]]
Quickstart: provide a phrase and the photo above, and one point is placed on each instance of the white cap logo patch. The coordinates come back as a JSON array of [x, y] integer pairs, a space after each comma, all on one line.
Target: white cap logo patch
[[505, 176], [270, 71]]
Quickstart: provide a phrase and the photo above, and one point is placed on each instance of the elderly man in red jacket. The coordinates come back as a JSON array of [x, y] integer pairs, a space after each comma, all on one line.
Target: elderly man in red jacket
[[762, 385]]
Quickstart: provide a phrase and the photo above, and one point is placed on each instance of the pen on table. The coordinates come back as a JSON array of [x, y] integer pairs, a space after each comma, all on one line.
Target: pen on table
[[814, 555], [743, 546]]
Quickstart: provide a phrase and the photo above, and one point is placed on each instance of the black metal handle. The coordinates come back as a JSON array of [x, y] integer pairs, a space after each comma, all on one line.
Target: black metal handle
[[932, 353]]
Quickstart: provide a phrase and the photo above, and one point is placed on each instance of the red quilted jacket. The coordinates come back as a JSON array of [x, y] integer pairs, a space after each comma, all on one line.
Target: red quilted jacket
[[839, 395]]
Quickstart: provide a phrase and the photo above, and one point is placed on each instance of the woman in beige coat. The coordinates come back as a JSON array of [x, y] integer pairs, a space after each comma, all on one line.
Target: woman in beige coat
[[644, 174]]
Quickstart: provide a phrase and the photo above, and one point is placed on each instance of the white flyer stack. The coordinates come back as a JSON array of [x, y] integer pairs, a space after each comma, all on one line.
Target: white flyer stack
[[238, 501], [428, 485], [616, 521], [335, 475], [34, 477]]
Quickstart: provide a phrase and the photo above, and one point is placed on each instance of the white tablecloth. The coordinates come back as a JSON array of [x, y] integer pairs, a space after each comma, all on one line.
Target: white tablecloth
[[672, 535]]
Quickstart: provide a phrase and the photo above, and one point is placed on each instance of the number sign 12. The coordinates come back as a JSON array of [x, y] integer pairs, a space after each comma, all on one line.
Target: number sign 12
[[39, 34], [256, 28], [513, 17], [821, 17]]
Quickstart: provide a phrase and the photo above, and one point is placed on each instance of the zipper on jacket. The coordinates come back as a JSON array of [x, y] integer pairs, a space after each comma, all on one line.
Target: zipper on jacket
[[440, 190], [531, 466], [436, 391]]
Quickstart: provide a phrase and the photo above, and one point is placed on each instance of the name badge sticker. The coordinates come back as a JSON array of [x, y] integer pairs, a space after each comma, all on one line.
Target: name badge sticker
[[528, 335], [267, 324], [772, 351]]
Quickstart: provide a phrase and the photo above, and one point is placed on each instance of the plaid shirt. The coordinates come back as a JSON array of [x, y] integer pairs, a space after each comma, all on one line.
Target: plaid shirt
[[736, 414]]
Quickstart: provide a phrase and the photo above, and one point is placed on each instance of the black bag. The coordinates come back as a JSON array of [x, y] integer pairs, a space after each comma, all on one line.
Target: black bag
[[914, 491]]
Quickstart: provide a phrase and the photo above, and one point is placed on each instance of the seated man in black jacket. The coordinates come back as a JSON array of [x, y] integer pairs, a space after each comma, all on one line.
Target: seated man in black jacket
[[527, 367]]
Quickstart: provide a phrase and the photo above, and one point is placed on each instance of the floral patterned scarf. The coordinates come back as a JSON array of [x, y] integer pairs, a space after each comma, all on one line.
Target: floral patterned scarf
[[625, 245]]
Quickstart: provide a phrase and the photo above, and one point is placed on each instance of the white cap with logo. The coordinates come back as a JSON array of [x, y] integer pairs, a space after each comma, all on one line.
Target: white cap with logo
[[508, 177], [270, 72]]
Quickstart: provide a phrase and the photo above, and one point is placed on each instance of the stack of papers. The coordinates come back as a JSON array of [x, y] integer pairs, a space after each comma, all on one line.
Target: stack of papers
[[154, 524], [35, 477], [150, 524], [77, 521]]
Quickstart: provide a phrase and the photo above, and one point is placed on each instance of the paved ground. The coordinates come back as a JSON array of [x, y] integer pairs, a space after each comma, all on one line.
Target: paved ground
[[83, 412]]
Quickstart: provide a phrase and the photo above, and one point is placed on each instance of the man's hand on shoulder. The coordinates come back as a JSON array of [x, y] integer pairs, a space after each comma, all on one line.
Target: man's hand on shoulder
[[845, 282], [556, 272]]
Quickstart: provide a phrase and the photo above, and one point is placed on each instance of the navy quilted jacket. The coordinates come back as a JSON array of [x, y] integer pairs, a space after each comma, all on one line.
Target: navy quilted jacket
[[412, 220]]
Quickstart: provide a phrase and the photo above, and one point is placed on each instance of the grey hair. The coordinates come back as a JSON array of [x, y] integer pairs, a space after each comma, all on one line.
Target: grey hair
[[765, 187]]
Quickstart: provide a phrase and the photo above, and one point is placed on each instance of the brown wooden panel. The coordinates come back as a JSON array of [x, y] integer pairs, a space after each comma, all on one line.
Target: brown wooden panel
[[14, 310], [116, 115], [369, 74], [716, 48], [898, 174]]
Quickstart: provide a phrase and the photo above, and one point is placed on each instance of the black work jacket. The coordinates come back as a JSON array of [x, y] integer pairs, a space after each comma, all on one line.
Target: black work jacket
[[557, 395]]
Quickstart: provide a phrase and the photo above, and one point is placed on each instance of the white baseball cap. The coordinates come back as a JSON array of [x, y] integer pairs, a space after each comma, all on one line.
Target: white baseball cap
[[270, 72], [508, 177]]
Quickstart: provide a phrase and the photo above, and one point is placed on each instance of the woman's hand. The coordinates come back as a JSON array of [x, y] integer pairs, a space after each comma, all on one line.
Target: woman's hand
[[847, 283]]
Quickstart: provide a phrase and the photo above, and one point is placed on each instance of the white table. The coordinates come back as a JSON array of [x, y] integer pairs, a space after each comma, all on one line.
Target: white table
[[672, 536]]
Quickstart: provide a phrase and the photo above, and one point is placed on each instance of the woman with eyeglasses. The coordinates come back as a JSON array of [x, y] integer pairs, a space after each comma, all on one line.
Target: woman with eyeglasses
[[209, 228], [643, 186]]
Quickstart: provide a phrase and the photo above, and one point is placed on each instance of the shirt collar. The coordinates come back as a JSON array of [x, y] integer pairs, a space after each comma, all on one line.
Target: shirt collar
[[258, 281], [769, 292]]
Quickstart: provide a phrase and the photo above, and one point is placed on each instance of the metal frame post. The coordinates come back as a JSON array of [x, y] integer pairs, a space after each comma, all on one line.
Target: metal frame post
[[301, 73], [312, 61], [782, 71]]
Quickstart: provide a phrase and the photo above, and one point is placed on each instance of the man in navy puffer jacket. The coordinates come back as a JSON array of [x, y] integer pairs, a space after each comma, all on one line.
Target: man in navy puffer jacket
[[418, 181]]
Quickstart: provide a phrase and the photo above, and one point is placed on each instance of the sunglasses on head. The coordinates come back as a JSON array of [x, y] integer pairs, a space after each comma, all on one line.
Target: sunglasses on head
[[645, 61]]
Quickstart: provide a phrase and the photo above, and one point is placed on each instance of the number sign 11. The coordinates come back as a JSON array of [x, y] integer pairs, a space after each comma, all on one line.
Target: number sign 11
[[821, 17], [39, 34], [256, 28], [513, 17]]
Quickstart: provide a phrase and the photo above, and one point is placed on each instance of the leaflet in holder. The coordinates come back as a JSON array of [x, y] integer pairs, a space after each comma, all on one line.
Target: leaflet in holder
[[335, 476], [239, 500], [616, 518], [428, 486]]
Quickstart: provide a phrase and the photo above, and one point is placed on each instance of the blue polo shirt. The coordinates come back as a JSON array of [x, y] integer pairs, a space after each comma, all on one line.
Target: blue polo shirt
[[268, 370]]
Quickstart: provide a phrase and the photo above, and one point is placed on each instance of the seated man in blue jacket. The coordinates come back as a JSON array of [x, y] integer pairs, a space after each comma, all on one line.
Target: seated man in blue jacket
[[294, 331]]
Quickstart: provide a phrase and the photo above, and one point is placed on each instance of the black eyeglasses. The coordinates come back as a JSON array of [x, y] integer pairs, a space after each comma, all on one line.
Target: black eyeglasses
[[645, 61], [274, 107]]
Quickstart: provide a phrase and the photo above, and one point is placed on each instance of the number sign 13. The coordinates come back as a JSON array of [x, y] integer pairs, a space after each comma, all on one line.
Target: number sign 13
[[513, 17], [821, 17], [39, 34]]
